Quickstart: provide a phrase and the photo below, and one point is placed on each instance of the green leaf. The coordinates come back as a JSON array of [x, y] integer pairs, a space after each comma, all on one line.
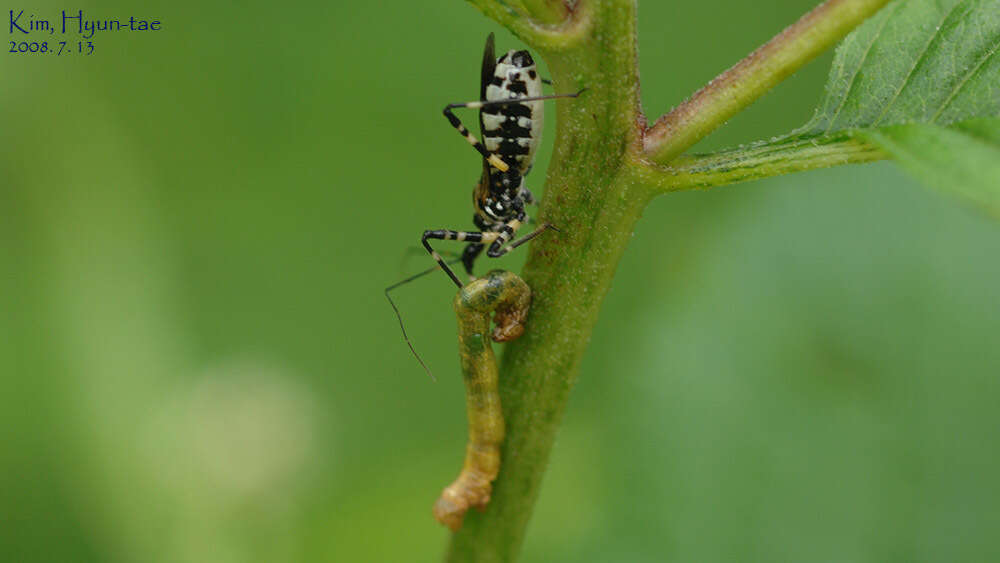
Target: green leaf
[[916, 61], [963, 158], [905, 80], [918, 82]]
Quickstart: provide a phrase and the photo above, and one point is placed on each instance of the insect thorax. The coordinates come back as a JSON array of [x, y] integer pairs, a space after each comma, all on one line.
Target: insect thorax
[[513, 131], [499, 197]]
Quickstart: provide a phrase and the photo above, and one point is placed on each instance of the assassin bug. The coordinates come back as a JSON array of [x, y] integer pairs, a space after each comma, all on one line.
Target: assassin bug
[[510, 121]]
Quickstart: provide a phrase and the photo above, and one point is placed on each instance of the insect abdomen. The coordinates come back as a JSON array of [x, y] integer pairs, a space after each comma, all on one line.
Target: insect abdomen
[[513, 131]]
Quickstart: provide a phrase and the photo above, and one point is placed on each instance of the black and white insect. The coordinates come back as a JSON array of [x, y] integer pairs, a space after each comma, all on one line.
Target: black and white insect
[[510, 120]]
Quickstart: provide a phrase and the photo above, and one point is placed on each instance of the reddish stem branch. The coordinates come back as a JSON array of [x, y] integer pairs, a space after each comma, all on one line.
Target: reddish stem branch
[[752, 77]]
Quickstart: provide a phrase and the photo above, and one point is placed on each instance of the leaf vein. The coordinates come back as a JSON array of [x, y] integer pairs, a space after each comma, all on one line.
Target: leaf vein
[[861, 63], [916, 62], [958, 87]]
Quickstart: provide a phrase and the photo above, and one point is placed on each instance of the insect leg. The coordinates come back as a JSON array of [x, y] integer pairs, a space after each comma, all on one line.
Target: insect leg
[[464, 131], [470, 254], [493, 159], [407, 256], [541, 229], [399, 316], [517, 100], [527, 196], [498, 247], [445, 234]]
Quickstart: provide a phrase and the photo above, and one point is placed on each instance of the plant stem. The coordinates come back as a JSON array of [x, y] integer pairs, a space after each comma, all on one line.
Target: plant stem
[[546, 11], [735, 89], [594, 205], [755, 162], [563, 33], [598, 183]]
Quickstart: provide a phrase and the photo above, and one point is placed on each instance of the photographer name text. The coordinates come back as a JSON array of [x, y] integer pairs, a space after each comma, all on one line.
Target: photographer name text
[[78, 23], [76, 31]]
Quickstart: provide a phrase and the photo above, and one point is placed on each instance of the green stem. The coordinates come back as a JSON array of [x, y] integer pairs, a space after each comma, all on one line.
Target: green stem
[[752, 77], [599, 181], [545, 33], [755, 162], [592, 200], [547, 11]]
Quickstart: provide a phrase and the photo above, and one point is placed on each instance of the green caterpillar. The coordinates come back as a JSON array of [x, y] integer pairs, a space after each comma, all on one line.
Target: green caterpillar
[[507, 298]]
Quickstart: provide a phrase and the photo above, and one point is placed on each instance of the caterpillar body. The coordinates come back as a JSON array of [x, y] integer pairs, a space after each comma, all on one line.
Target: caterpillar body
[[505, 297]]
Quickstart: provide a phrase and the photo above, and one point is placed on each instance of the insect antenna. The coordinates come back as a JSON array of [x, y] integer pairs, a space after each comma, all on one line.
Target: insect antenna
[[399, 316]]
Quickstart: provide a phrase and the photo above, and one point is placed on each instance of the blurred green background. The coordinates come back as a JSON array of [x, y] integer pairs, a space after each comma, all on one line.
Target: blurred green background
[[198, 364]]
